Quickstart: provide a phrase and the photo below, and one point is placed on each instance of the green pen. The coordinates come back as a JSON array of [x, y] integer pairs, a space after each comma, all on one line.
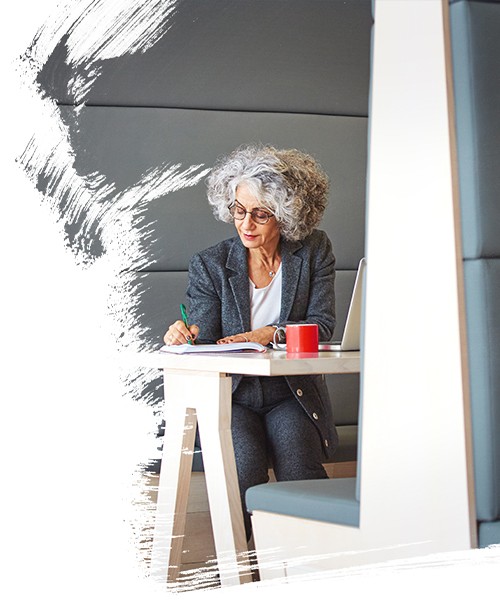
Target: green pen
[[185, 319]]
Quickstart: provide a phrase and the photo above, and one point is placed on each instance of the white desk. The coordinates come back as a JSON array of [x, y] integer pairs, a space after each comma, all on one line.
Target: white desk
[[198, 390]]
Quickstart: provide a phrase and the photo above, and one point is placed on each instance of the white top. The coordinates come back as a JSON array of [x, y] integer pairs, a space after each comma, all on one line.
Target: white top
[[265, 303]]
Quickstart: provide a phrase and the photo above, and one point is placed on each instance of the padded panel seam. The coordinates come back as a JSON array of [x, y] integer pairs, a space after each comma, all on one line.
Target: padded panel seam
[[202, 108], [149, 270]]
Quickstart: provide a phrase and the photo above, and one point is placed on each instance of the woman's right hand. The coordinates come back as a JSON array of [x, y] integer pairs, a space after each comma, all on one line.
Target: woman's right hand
[[178, 333]]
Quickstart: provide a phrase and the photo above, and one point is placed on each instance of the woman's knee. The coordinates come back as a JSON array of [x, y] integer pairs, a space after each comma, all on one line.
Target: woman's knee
[[250, 447]]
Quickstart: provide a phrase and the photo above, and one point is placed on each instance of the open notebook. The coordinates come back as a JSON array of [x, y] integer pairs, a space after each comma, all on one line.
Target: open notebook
[[352, 331], [214, 348]]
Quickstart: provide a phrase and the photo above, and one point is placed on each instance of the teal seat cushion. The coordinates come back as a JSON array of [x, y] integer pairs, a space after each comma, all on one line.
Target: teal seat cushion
[[330, 500]]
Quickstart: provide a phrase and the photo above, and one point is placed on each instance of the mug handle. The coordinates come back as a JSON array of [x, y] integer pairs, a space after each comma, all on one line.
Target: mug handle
[[276, 344]]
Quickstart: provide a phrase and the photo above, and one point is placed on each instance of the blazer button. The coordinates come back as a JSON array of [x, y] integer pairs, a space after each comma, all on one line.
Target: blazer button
[[326, 443], [315, 416], [300, 392]]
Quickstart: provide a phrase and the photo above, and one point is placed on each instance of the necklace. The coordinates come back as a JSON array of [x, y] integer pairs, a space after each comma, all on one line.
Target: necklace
[[272, 272]]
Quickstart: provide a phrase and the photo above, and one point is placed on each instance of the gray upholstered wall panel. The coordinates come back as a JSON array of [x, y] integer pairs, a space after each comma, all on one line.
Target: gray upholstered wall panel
[[159, 294], [475, 28], [344, 395], [308, 56], [122, 144], [293, 73], [482, 282]]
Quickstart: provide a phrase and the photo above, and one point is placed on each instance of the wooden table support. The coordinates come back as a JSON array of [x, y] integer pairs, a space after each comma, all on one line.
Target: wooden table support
[[193, 397]]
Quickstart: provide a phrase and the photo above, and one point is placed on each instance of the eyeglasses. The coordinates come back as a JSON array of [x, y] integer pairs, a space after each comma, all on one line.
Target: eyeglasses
[[258, 215]]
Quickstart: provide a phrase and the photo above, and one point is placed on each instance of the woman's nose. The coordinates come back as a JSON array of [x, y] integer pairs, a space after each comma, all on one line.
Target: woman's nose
[[247, 221]]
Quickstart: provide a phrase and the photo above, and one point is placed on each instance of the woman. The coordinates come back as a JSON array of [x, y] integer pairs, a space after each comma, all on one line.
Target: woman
[[279, 269]]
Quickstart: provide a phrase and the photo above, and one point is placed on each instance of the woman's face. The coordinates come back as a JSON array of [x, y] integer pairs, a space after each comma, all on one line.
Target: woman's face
[[255, 235]]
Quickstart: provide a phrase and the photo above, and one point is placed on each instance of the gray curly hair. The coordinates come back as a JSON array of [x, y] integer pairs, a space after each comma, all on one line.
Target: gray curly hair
[[289, 183]]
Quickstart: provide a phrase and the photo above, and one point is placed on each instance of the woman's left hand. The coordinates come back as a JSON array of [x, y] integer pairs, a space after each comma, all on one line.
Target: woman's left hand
[[263, 335]]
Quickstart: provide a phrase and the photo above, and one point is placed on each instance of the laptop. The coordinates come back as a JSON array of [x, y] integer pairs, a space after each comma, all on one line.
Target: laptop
[[352, 331]]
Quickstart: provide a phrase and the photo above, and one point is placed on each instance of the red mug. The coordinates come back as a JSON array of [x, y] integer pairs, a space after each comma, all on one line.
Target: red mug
[[302, 338]]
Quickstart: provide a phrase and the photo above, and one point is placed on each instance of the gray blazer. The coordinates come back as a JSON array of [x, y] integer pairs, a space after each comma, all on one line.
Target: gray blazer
[[219, 303]]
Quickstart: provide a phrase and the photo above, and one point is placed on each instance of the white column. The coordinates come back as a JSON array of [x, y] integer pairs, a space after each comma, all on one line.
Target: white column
[[413, 414], [416, 483]]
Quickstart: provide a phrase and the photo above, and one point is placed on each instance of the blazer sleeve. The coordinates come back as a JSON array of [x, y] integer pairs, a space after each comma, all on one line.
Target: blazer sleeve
[[314, 301], [321, 306], [204, 302]]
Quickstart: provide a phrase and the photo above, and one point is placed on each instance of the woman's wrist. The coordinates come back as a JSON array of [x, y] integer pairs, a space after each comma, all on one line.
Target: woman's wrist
[[278, 334], [263, 335], [271, 333]]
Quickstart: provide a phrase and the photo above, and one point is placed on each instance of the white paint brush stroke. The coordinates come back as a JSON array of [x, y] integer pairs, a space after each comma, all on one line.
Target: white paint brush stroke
[[99, 30], [99, 208], [93, 201], [72, 440]]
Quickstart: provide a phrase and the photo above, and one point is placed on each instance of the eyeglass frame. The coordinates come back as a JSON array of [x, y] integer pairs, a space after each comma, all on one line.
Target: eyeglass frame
[[236, 204]]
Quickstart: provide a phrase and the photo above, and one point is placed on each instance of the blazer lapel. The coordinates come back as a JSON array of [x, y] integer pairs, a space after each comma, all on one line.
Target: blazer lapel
[[291, 266], [238, 280]]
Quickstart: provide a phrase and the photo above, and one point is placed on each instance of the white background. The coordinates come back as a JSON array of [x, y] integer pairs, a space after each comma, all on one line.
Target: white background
[[69, 439]]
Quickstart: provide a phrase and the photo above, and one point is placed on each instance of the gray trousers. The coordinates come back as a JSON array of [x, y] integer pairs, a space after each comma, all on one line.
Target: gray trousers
[[272, 429]]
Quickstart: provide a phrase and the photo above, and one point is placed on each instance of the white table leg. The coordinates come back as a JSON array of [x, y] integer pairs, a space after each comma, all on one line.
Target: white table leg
[[206, 398], [214, 420], [173, 487]]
